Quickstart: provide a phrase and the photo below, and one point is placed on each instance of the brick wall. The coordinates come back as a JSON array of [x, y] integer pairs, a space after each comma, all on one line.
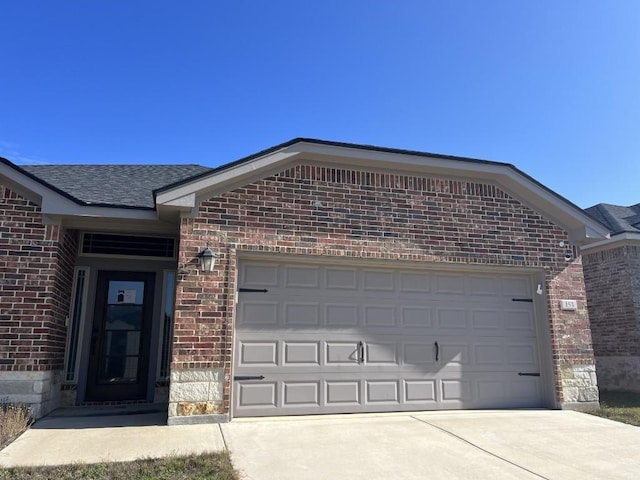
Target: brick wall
[[634, 273], [349, 213], [611, 301], [36, 274], [612, 280]]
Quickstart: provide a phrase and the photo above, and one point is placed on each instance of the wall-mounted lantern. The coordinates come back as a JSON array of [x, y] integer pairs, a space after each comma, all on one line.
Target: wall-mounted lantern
[[207, 260]]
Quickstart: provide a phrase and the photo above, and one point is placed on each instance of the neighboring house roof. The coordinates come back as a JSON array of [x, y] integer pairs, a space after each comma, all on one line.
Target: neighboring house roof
[[113, 185], [619, 219]]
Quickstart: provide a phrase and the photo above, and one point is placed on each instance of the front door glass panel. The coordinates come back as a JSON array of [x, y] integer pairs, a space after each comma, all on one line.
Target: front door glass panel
[[122, 332]]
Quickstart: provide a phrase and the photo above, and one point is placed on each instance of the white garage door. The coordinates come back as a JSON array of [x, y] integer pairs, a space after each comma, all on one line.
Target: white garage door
[[316, 339]]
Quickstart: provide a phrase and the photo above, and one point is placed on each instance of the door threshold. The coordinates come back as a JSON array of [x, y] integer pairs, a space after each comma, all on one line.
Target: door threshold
[[108, 410]]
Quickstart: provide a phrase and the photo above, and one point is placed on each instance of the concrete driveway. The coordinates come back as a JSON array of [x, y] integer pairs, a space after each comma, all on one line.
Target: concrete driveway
[[449, 445], [453, 445]]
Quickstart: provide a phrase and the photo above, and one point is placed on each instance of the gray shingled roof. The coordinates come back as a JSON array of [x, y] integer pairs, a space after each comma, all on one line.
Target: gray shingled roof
[[619, 219], [129, 186]]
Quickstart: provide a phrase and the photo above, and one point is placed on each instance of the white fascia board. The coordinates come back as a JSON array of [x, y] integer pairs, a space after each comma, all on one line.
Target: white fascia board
[[211, 182], [131, 225], [580, 226], [57, 205], [596, 235], [625, 237], [187, 201], [394, 160], [23, 185]]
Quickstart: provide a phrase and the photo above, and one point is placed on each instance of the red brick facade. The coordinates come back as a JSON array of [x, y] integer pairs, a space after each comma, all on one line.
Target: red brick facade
[[320, 211], [610, 289], [36, 275], [612, 278]]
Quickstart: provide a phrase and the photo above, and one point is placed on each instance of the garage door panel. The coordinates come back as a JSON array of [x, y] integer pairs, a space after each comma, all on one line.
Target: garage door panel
[[519, 320], [378, 280], [487, 320], [516, 287], [297, 394], [301, 354], [379, 316], [342, 393], [455, 390], [301, 314], [259, 275], [450, 284], [258, 353], [301, 277], [258, 314], [485, 286], [382, 391], [416, 316], [522, 355], [262, 395], [419, 353], [341, 279], [489, 354], [490, 392], [341, 353], [449, 318], [411, 282], [381, 353], [420, 392], [453, 353], [525, 390], [432, 340], [341, 315]]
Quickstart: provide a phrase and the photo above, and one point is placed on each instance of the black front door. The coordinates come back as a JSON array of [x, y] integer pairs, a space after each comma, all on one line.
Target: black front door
[[120, 336]]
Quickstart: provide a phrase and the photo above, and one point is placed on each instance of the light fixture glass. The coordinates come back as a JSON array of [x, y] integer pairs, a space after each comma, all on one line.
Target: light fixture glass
[[207, 260]]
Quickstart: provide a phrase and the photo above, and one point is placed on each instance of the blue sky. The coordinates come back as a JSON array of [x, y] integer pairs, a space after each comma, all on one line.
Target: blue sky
[[552, 87]]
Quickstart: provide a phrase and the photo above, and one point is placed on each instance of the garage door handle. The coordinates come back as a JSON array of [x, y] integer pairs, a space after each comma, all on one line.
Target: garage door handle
[[437, 350], [360, 352]]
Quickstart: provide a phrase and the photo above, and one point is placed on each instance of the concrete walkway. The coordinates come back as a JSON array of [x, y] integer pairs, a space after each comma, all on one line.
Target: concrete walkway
[[449, 445], [64, 439]]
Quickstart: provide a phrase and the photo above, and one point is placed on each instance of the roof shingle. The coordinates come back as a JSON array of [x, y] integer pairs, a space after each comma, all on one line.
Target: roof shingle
[[128, 186], [619, 219]]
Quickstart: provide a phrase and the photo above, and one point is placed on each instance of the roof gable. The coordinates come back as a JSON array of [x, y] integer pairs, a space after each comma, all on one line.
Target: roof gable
[[186, 194]]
